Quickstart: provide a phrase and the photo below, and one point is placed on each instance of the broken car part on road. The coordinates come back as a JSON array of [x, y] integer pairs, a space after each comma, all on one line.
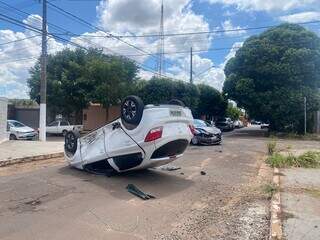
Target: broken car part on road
[[137, 192], [143, 137]]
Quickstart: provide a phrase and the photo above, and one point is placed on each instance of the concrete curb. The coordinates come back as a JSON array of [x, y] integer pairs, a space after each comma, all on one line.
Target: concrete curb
[[276, 223], [8, 162]]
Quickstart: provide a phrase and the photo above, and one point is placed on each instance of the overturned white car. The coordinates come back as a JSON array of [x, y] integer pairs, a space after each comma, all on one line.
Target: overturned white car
[[143, 137]]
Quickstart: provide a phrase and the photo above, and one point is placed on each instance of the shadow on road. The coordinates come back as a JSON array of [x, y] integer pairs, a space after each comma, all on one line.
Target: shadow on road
[[254, 131], [156, 182]]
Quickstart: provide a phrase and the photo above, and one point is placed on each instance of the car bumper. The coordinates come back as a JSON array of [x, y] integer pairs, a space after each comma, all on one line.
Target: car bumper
[[209, 140], [28, 136]]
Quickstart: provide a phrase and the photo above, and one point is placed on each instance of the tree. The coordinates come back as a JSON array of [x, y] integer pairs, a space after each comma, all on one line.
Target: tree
[[162, 90], [77, 77], [112, 78], [211, 102], [272, 73], [233, 112]]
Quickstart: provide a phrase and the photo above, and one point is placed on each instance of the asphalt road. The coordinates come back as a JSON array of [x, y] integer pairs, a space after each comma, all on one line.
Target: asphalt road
[[49, 200]]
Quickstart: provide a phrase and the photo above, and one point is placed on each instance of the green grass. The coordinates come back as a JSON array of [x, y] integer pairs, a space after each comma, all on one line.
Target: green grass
[[308, 136], [272, 145], [310, 159], [270, 189]]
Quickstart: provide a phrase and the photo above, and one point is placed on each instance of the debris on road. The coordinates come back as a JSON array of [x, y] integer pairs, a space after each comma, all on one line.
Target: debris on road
[[203, 173], [137, 192], [169, 168]]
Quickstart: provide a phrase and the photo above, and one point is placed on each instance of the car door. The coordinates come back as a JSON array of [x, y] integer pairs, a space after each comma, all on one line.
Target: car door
[[123, 152], [64, 125], [52, 127], [92, 147]]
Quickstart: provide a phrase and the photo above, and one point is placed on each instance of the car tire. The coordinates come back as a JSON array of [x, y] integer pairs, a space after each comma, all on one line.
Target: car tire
[[176, 102], [194, 141], [71, 142], [12, 137], [132, 110]]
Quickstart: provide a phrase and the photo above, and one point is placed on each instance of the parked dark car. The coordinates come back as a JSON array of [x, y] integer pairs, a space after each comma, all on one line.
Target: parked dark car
[[254, 122], [224, 124], [205, 133]]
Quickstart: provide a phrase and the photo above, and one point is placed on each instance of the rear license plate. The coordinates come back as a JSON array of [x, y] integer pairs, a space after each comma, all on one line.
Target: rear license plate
[[175, 113]]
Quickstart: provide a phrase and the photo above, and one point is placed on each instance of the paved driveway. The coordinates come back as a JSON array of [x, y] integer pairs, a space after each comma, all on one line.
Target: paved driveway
[[49, 200]]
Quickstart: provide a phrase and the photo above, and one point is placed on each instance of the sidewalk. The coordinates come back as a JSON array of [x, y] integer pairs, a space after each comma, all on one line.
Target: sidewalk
[[30, 150], [300, 198]]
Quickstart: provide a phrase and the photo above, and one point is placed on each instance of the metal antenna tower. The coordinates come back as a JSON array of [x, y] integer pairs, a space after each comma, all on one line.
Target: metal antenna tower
[[160, 64]]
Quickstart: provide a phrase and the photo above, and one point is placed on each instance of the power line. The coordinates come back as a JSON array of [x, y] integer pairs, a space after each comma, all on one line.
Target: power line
[[27, 26], [17, 60], [24, 13], [19, 40], [97, 28], [208, 32], [109, 35]]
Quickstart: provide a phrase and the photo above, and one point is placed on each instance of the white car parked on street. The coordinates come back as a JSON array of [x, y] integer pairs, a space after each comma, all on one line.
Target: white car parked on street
[[62, 127], [19, 131], [143, 137]]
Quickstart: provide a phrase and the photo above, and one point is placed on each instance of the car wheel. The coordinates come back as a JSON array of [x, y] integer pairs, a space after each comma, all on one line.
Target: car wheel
[[194, 141], [12, 137], [132, 110], [176, 102], [70, 142], [64, 132]]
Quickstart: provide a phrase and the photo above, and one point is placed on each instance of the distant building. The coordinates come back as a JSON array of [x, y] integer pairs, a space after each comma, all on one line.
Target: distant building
[[96, 116], [3, 119]]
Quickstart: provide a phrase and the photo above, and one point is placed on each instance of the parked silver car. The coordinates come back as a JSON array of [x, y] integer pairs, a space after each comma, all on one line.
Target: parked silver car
[[205, 133], [19, 131]]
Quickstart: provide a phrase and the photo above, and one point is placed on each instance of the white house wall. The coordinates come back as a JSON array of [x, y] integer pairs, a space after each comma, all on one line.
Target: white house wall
[[3, 119]]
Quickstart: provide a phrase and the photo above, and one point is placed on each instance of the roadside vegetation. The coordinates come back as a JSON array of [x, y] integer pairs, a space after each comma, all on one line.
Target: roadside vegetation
[[77, 78], [309, 159], [295, 136], [271, 147], [269, 189], [272, 73]]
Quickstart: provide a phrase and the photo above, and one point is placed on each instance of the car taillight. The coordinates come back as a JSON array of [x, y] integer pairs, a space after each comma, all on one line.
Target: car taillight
[[154, 134], [192, 129]]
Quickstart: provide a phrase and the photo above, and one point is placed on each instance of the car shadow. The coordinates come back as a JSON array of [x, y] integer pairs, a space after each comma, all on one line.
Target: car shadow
[[156, 182]]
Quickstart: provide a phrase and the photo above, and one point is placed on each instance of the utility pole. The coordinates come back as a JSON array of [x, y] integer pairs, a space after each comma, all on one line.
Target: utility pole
[[191, 80], [43, 80], [161, 45], [305, 114]]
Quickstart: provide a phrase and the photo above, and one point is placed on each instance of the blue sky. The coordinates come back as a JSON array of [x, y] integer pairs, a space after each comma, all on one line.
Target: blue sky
[[141, 17]]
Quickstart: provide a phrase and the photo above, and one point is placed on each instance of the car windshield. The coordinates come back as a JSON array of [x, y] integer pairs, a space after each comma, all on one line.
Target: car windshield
[[16, 124], [221, 120], [200, 123]]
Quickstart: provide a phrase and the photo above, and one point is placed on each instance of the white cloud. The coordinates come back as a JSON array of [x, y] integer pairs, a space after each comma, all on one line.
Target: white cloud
[[18, 57], [301, 17], [132, 17], [265, 5], [227, 26], [120, 17]]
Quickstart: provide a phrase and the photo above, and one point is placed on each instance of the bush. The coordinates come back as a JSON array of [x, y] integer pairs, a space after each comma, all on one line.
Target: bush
[[271, 147], [310, 159]]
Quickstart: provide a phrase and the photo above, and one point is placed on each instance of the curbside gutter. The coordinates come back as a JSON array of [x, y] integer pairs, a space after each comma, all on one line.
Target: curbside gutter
[[7, 162], [276, 223]]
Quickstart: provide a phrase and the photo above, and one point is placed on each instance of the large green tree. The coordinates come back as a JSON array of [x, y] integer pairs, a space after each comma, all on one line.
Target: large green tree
[[211, 102], [162, 90], [272, 73], [76, 77], [202, 99]]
